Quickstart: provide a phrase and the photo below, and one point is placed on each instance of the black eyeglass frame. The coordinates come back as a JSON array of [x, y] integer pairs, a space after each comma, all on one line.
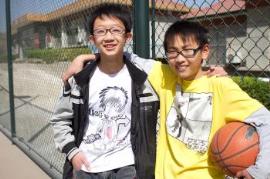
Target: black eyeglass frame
[[106, 30], [194, 52]]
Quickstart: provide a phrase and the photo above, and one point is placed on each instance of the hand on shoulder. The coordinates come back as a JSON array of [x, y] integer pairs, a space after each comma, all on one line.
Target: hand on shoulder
[[77, 65], [216, 71]]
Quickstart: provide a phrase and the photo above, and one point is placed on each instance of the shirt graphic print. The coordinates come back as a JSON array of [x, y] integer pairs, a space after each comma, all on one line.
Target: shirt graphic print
[[106, 137], [189, 119], [114, 126]]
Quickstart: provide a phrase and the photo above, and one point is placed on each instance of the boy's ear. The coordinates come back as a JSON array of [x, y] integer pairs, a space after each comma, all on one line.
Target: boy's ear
[[128, 37], [91, 39], [205, 51]]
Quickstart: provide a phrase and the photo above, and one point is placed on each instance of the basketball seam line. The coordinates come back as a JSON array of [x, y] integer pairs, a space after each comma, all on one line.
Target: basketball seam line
[[228, 142], [239, 152]]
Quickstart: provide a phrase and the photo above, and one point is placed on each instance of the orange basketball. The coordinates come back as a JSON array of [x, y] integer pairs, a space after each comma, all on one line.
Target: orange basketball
[[235, 147]]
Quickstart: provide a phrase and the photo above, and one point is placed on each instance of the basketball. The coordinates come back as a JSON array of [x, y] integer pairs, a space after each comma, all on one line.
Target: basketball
[[234, 147]]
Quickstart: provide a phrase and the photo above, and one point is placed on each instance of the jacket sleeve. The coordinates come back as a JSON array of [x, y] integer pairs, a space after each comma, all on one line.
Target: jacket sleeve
[[261, 121], [142, 63], [61, 122]]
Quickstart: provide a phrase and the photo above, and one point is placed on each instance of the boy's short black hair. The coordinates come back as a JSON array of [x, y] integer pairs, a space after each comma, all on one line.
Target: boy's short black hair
[[122, 12], [186, 29]]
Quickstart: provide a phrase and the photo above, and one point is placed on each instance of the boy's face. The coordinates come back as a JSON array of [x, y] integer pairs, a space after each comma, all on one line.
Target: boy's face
[[109, 35], [185, 57]]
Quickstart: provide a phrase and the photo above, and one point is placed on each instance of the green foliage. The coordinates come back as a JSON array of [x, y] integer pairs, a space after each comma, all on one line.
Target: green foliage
[[257, 89], [56, 54], [3, 57]]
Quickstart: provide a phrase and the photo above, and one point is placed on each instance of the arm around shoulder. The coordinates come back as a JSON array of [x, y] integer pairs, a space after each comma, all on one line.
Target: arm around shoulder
[[77, 65], [144, 64]]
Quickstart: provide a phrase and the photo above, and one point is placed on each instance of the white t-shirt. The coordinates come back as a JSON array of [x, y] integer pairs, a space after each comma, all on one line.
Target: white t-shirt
[[106, 142]]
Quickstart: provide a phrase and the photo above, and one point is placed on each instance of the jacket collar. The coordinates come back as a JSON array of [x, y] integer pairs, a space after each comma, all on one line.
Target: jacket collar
[[138, 76]]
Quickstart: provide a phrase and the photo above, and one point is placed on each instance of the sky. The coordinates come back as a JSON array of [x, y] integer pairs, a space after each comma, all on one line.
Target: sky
[[2, 16], [36, 6], [21, 7], [196, 3]]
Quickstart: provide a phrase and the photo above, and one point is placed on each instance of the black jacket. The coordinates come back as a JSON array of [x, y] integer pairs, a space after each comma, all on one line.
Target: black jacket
[[145, 106]]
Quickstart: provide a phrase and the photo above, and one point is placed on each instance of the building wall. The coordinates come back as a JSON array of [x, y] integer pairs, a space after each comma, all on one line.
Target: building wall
[[245, 44], [217, 39], [251, 44], [26, 36], [162, 23], [258, 41]]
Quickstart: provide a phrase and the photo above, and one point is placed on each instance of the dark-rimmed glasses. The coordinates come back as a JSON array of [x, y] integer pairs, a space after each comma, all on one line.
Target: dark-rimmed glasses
[[187, 53], [112, 30]]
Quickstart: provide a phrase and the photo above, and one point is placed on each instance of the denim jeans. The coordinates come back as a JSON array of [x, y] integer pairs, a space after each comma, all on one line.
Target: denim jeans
[[127, 172]]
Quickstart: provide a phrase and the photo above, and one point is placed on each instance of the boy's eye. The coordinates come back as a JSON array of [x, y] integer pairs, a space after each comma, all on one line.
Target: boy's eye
[[116, 30], [171, 54], [100, 31], [112, 30], [188, 51]]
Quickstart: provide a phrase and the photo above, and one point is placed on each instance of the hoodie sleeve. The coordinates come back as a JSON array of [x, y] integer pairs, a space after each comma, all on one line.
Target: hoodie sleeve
[[261, 121], [61, 122], [143, 64]]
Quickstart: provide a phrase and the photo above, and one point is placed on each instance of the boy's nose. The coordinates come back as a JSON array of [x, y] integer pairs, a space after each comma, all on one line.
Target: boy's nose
[[180, 58], [108, 35]]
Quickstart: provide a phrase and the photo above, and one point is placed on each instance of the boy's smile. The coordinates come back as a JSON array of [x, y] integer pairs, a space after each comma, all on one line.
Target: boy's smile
[[185, 57]]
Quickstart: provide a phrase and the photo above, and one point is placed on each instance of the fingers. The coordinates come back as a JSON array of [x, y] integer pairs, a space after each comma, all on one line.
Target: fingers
[[84, 58], [243, 175], [216, 71], [77, 161], [86, 163], [64, 77], [209, 71], [77, 65], [80, 160], [239, 175]]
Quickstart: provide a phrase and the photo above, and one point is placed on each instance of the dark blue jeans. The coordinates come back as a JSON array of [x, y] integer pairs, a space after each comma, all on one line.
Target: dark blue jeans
[[127, 172]]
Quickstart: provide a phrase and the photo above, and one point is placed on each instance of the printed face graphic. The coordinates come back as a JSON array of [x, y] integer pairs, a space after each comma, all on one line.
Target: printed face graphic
[[113, 124]]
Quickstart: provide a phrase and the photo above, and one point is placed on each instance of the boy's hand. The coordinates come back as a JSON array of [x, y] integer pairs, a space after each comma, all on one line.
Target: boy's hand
[[79, 160], [77, 65], [216, 70], [243, 175]]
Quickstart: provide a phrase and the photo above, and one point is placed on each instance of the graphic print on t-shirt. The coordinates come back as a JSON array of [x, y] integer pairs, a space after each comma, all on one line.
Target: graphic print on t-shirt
[[189, 119], [112, 126]]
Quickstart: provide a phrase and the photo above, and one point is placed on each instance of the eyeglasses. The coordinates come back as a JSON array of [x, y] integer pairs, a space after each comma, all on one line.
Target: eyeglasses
[[112, 30], [187, 53]]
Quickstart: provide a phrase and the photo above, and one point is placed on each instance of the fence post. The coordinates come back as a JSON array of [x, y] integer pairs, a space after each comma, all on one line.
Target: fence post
[[141, 27], [153, 28], [10, 71]]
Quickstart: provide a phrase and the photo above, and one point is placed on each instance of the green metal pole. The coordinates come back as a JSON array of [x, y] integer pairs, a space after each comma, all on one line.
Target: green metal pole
[[141, 28], [10, 71], [153, 20]]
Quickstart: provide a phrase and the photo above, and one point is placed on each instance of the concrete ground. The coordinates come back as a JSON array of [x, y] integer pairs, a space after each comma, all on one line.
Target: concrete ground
[[15, 164], [36, 91]]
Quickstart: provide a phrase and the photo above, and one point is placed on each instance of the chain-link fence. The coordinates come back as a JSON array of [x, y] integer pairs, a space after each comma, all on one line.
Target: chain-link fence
[[46, 35]]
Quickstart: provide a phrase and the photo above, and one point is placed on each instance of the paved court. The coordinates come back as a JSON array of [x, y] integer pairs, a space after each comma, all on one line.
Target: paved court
[[36, 91], [15, 164]]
